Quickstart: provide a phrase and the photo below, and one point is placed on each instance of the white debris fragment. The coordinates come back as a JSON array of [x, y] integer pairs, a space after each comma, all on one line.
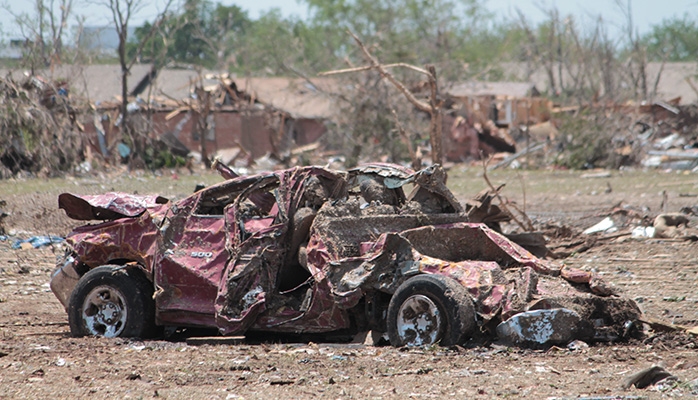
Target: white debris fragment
[[606, 226], [643, 232], [558, 325]]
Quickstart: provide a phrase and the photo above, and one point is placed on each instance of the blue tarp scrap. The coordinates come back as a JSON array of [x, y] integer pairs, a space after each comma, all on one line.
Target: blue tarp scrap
[[124, 150], [38, 241]]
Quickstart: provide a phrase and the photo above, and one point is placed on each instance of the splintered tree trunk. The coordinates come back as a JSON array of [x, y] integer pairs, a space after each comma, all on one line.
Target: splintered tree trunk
[[202, 122], [436, 118], [204, 110]]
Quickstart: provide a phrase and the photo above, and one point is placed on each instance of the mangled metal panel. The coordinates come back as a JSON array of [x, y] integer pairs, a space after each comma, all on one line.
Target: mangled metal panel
[[107, 206]]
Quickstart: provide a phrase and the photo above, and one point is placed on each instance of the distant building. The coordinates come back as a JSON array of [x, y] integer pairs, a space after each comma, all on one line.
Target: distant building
[[12, 49], [102, 39]]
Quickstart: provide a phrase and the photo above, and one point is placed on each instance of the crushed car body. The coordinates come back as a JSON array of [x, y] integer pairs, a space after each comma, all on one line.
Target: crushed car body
[[312, 250]]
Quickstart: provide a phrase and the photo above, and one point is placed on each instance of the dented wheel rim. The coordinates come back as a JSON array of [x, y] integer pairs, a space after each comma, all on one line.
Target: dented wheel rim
[[419, 321], [104, 311]]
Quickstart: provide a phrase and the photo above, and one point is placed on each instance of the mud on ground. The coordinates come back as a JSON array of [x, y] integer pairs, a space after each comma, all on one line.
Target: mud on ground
[[39, 359]]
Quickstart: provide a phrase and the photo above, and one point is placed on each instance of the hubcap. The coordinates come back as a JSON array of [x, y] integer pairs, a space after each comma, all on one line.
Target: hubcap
[[104, 311], [419, 321]]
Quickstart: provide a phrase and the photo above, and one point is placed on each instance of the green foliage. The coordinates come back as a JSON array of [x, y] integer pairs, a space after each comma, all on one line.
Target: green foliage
[[411, 31], [456, 35], [163, 158], [200, 35], [459, 36], [674, 39], [272, 43], [584, 143], [155, 155]]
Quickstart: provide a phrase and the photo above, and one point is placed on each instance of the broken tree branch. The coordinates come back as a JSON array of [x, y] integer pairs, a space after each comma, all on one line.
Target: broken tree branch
[[370, 67], [377, 65], [433, 107], [530, 149], [526, 224]]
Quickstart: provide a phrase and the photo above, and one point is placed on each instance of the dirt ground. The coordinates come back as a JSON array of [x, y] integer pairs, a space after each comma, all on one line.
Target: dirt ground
[[39, 359]]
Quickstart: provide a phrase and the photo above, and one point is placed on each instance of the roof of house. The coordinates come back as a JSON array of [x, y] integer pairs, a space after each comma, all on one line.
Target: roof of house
[[675, 78], [475, 88], [312, 98], [299, 97], [102, 84]]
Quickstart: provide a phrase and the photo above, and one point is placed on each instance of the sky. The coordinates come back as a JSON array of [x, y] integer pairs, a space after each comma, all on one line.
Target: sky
[[645, 12]]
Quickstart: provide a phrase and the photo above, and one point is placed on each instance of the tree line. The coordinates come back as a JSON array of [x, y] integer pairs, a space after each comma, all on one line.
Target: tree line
[[584, 61], [460, 37]]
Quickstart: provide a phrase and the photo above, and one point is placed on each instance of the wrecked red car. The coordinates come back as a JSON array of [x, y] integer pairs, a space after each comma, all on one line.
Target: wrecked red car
[[312, 250]]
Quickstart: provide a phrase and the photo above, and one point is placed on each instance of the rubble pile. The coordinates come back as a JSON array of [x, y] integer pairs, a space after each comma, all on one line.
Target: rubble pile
[[671, 136], [660, 135], [40, 131]]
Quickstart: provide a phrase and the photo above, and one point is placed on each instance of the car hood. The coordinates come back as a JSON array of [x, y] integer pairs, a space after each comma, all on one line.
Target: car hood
[[108, 206]]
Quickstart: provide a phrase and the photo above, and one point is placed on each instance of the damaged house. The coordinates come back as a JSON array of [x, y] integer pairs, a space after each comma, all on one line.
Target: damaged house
[[482, 117], [246, 118], [239, 120], [253, 117]]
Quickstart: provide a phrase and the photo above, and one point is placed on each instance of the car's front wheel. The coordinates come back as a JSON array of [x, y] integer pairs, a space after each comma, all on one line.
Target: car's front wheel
[[430, 309], [112, 301]]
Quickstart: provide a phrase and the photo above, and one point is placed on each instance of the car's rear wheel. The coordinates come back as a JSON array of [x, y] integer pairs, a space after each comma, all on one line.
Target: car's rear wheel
[[430, 309], [112, 301]]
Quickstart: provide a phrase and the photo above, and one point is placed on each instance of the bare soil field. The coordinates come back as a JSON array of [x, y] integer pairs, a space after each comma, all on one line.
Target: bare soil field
[[39, 358]]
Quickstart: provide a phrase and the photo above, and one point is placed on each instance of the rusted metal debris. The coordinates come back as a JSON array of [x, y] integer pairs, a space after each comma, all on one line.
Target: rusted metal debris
[[3, 215], [312, 250]]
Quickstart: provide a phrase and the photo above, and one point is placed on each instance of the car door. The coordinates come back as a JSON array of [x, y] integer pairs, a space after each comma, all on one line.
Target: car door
[[191, 262], [257, 225]]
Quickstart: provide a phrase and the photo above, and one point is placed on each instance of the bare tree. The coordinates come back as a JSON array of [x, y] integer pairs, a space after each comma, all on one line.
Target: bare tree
[[637, 63], [57, 25], [122, 13], [591, 64], [540, 49], [202, 111], [44, 31]]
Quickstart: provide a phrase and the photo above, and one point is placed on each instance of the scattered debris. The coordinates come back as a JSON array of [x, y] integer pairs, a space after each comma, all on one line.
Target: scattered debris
[[643, 232], [214, 340], [648, 377], [577, 345], [661, 326], [285, 117], [36, 242], [674, 225]]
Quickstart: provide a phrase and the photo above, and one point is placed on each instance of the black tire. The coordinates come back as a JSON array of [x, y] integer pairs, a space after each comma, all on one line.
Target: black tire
[[438, 304], [112, 301]]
